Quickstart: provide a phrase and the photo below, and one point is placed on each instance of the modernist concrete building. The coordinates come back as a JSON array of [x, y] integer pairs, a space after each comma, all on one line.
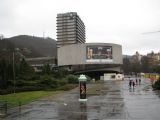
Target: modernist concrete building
[[70, 29], [91, 57]]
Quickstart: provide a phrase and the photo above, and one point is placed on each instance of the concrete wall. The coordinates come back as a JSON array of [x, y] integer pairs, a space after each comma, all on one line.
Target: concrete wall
[[76, 54]]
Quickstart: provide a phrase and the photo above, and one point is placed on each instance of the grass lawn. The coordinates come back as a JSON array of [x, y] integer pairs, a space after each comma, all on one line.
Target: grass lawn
[[13, 100], [25, 97]]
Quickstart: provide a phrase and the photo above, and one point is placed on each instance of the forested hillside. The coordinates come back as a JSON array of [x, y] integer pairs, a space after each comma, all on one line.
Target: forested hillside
[[29, 46]]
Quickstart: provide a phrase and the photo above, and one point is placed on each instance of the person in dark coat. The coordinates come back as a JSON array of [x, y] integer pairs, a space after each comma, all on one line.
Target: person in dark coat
[[130, 83], [136, 81], [133, 84], [139, 81]]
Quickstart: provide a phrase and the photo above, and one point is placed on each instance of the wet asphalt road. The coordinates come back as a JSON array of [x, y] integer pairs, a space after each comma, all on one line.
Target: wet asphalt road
[[119, 102]]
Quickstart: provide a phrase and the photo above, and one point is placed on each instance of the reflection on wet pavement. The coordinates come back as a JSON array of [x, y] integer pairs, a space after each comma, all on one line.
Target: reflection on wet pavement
[[109, 104], [142, 103], [119, 102]]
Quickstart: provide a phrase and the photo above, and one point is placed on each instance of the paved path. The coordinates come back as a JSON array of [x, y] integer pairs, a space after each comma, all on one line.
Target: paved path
[[142, 103], [116, 103]]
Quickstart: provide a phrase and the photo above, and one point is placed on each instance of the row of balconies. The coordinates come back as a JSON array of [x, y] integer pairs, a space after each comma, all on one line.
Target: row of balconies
[[66, 27], [71, 34], [65, 18], [66, 36], [66, 21], [66, 30], [66, 33]]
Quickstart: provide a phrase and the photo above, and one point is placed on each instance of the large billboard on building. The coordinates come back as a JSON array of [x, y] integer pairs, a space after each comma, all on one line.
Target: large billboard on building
[[99, 54]]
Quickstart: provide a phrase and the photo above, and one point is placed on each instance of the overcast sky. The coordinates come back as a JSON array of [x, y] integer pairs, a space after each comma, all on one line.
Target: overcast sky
[[131, 23]]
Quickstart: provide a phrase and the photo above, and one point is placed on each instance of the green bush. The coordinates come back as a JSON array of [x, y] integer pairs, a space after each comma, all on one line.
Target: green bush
[[29, 88], [73, 79], [20, 83], [60, 73], [21, 89], [7, 91], [10, 83], [62, 82], [34, 77], [48, 81], [156, 85]]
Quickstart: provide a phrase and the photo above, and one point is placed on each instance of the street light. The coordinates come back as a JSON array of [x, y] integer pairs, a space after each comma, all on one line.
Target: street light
[[14, 81]]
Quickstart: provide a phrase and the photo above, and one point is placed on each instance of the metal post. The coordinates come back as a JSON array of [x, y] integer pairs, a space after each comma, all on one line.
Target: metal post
[[14, 81]]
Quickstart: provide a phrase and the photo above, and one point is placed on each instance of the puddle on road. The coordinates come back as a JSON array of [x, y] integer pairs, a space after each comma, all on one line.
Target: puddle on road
[[47, 105], [73, 111]]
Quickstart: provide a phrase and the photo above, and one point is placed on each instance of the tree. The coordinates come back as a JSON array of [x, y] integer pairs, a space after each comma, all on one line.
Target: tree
[[156, 85], [156, 69], [47, 81], [126, 65], [3, 74], [145, 67], [136, 68], [60, 73], [10, 71], [72, 79], [46, 69], [25, 69]]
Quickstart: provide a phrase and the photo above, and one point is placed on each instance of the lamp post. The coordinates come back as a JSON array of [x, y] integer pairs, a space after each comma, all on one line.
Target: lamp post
[[14, 81], [82, 88]]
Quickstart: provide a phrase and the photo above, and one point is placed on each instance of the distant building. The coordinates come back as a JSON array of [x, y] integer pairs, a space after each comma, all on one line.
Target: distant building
[[154, 58], [39, 62], [153, 55], [70, 29], [157, 56], [136, 58], [139, 57]]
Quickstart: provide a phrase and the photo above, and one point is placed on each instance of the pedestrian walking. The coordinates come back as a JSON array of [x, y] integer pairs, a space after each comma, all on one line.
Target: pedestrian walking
[[133, 84], [139, 81], [130, 83], [136, 81]]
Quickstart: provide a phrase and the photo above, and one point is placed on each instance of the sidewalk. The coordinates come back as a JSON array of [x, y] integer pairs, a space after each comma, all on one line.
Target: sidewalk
[[142, 103]]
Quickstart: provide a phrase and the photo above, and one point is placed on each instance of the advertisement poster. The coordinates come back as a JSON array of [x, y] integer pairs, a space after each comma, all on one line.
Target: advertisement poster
[[99, 54], [82, 90]]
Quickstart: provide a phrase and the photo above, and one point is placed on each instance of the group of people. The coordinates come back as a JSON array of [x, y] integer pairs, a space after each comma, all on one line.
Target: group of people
[[132, 83]]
